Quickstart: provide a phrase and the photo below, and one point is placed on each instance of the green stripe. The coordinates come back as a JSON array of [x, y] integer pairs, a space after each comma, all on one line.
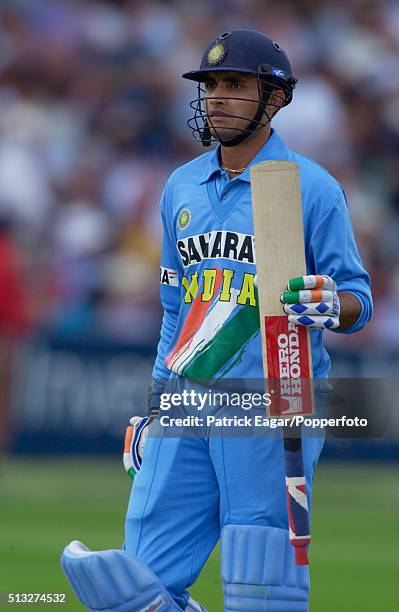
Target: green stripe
[[290, 297], [296, 284], [226, 343]]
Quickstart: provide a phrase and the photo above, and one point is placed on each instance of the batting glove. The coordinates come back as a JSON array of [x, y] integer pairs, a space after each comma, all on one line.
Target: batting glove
[[135, 439], [312, 301]]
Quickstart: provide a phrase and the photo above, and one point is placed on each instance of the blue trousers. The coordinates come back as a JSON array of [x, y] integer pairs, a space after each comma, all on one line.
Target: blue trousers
[[190, 487]]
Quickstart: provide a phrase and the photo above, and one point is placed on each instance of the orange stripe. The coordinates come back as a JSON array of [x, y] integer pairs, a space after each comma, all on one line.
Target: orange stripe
[[317, 295], [320, 280], [128, 438]]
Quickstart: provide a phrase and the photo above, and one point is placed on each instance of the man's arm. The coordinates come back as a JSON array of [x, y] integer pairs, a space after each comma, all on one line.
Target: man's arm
[[171, 272], [332, 250]]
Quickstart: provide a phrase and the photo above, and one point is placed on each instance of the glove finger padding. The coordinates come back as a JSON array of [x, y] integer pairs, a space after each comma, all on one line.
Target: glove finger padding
[[307, 296], [312, 281], [315, 308], [316, 321], [312, 301], [135, 438]]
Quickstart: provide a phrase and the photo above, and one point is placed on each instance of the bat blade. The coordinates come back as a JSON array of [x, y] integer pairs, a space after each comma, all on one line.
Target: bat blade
[[287, 364], [280, 255]]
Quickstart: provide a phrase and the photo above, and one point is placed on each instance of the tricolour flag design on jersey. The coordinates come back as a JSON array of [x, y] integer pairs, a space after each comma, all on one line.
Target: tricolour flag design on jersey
[[213, 333]]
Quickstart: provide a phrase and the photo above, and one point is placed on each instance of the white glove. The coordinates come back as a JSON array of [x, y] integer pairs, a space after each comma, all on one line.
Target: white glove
[[312, 301], [135, 439]]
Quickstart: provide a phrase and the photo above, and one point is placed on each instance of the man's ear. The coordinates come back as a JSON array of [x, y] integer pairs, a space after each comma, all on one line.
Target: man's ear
[[277, 99], [275, 102]]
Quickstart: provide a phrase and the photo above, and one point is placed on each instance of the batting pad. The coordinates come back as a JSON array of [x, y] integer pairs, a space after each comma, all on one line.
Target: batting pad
[[259, 572], [114, 581]]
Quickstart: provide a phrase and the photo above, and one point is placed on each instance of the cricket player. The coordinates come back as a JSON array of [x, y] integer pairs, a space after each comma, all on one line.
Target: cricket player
[[191, 491]]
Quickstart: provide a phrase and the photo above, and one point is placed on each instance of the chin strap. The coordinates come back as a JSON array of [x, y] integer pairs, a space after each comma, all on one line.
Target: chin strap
[[206, 137]]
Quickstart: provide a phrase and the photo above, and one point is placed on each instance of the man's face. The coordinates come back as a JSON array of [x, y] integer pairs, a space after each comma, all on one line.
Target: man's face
[[232, 100]]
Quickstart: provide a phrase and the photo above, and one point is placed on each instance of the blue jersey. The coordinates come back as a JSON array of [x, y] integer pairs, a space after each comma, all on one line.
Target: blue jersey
[[210, 325]]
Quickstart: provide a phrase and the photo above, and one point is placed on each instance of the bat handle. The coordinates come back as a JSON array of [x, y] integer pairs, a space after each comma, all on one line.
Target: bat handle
[[297, 501], [301, 555]]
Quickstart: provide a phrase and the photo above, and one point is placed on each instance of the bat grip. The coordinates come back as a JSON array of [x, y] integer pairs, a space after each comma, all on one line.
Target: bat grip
[[297, 505], [301, 555], [293, 444]]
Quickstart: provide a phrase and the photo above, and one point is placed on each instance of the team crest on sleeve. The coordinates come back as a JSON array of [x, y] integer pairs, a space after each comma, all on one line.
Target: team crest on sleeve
[[184, 218], [169, 277]]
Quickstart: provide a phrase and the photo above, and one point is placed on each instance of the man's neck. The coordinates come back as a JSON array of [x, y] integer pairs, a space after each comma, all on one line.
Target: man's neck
[[239, 157]]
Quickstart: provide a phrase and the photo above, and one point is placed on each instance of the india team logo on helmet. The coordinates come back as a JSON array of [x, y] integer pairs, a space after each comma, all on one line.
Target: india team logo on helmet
[[216, 54], [184, 218]]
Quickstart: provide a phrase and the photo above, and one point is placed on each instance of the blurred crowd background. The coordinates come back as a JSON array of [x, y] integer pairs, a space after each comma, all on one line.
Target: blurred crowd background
[[93, 118]]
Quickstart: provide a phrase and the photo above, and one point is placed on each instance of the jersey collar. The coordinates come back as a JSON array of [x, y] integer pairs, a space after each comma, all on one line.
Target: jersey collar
[[274, 148]]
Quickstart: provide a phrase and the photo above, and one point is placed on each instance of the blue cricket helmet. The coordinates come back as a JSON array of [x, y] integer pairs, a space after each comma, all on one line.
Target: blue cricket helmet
[[244, 51]]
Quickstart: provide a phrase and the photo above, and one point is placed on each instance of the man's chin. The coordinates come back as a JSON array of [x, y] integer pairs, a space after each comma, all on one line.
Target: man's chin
[[225, 134]]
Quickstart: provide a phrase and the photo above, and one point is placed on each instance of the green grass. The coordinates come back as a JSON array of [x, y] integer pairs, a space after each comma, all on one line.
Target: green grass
[[45, 504]]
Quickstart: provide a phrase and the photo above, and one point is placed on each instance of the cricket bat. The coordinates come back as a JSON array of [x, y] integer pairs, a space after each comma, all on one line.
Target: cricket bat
[[286, 351]]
